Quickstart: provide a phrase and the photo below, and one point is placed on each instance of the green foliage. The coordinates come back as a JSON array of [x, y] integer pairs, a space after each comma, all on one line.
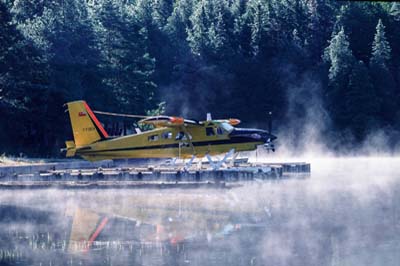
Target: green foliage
[[28, 105], [231, 57], [339, 55], [395, 11], [361, 102], [341, 60], [126, 64], [380, 47], [382, 78], [197, 34]]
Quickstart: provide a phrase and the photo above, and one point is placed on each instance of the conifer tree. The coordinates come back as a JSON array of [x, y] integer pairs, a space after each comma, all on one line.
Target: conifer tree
[[197, 33], [25, 94], [178, 22], [339, 55], [380, 47], [361, 102], [319, 27], [241, 29], [257, 16], [340, 58], [127, 65], [217, 35], [395, 11], [380, 73], [8, 39], [23, 69]]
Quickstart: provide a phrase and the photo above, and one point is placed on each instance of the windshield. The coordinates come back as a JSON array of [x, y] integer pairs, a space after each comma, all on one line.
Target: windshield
[[225, 126]]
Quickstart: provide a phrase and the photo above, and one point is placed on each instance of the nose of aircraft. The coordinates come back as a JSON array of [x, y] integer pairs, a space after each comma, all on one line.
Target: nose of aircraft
[[255, 134]]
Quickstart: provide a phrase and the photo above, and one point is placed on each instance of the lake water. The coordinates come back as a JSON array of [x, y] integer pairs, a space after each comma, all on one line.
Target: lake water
[[346, 213]]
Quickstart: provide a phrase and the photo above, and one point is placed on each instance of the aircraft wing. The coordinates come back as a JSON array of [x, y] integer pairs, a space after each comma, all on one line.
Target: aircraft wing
[[168, 121]]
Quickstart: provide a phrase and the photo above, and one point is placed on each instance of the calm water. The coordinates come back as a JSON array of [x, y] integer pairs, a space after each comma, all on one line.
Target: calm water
[[346, 213]]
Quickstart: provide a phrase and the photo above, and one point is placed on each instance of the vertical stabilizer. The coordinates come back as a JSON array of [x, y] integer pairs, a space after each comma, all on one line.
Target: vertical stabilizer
[[85, 126]]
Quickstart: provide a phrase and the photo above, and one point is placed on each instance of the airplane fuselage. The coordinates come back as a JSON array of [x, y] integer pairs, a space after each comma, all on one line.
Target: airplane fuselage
[[169, 142]]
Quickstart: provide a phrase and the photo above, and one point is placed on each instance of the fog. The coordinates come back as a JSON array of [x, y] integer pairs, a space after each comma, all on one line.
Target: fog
[[345, 213]]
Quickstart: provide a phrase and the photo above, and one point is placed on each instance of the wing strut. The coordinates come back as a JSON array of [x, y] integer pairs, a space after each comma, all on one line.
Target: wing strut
[[217, 165]]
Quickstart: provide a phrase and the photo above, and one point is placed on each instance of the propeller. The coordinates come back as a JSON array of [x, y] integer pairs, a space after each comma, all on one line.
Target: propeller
[[268, 144]]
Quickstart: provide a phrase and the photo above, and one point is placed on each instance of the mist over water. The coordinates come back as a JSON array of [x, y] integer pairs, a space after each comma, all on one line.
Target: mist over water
[[346, 213]]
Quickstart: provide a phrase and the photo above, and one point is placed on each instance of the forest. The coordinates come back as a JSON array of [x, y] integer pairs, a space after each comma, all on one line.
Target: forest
[[324, 68]]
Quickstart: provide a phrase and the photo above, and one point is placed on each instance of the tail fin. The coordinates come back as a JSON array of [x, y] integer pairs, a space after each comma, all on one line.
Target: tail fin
[[85, 126]]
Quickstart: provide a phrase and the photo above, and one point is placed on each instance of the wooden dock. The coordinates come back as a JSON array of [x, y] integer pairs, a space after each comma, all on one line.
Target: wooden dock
[[85, 175]]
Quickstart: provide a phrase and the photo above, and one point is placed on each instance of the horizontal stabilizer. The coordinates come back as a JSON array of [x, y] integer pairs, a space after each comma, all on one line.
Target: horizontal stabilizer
[[70, 148]]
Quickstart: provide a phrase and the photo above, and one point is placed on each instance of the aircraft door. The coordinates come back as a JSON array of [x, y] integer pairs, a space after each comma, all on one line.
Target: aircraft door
[[185, 144]]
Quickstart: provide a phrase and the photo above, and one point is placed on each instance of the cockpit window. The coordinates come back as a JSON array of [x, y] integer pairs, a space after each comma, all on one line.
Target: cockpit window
[[210, 131], [227, 127]]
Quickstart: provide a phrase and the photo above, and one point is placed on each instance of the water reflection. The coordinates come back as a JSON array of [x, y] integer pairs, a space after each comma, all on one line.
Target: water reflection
[[346, 214]]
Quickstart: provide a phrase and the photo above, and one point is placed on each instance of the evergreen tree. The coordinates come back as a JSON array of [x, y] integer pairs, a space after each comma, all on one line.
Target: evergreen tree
[[257, 16], [361, 102], [23, 70], [161, 11], [319, 27], [380, 72], [27, 125], [380, 47], [217, 35], [178, 22], [197, 33], [395, 11], [112, 53], [256, 29], [241, 29], [127, 65], [341, 60], [341, 17], [339, 55], [8, 41]]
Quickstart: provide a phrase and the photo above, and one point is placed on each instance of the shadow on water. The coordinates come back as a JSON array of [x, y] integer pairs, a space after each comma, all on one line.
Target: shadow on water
[[347, 213]]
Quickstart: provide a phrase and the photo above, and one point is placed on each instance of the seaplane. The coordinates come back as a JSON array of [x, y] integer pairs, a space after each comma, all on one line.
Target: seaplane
[[171, 137]]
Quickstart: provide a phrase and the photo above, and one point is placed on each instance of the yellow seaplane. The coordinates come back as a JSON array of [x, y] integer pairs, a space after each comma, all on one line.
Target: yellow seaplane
[[172, 137]]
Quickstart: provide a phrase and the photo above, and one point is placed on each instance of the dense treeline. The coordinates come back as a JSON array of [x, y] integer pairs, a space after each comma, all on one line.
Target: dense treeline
[[334, 65]]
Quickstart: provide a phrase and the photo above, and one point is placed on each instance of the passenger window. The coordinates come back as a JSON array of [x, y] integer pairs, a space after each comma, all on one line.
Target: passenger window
[[166, 135], [220, 131], [153, 138], [210, 131]]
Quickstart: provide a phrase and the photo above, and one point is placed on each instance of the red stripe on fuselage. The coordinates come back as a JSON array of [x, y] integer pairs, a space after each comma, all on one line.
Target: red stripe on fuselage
[[94, 118], [96, 233]]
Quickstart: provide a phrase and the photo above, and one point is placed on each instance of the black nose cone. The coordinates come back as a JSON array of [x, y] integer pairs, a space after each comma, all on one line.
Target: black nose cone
[[253, 134]]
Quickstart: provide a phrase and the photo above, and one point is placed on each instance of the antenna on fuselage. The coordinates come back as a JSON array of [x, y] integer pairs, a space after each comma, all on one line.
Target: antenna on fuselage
[[209, 118], [270, 122], [269, 145]]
